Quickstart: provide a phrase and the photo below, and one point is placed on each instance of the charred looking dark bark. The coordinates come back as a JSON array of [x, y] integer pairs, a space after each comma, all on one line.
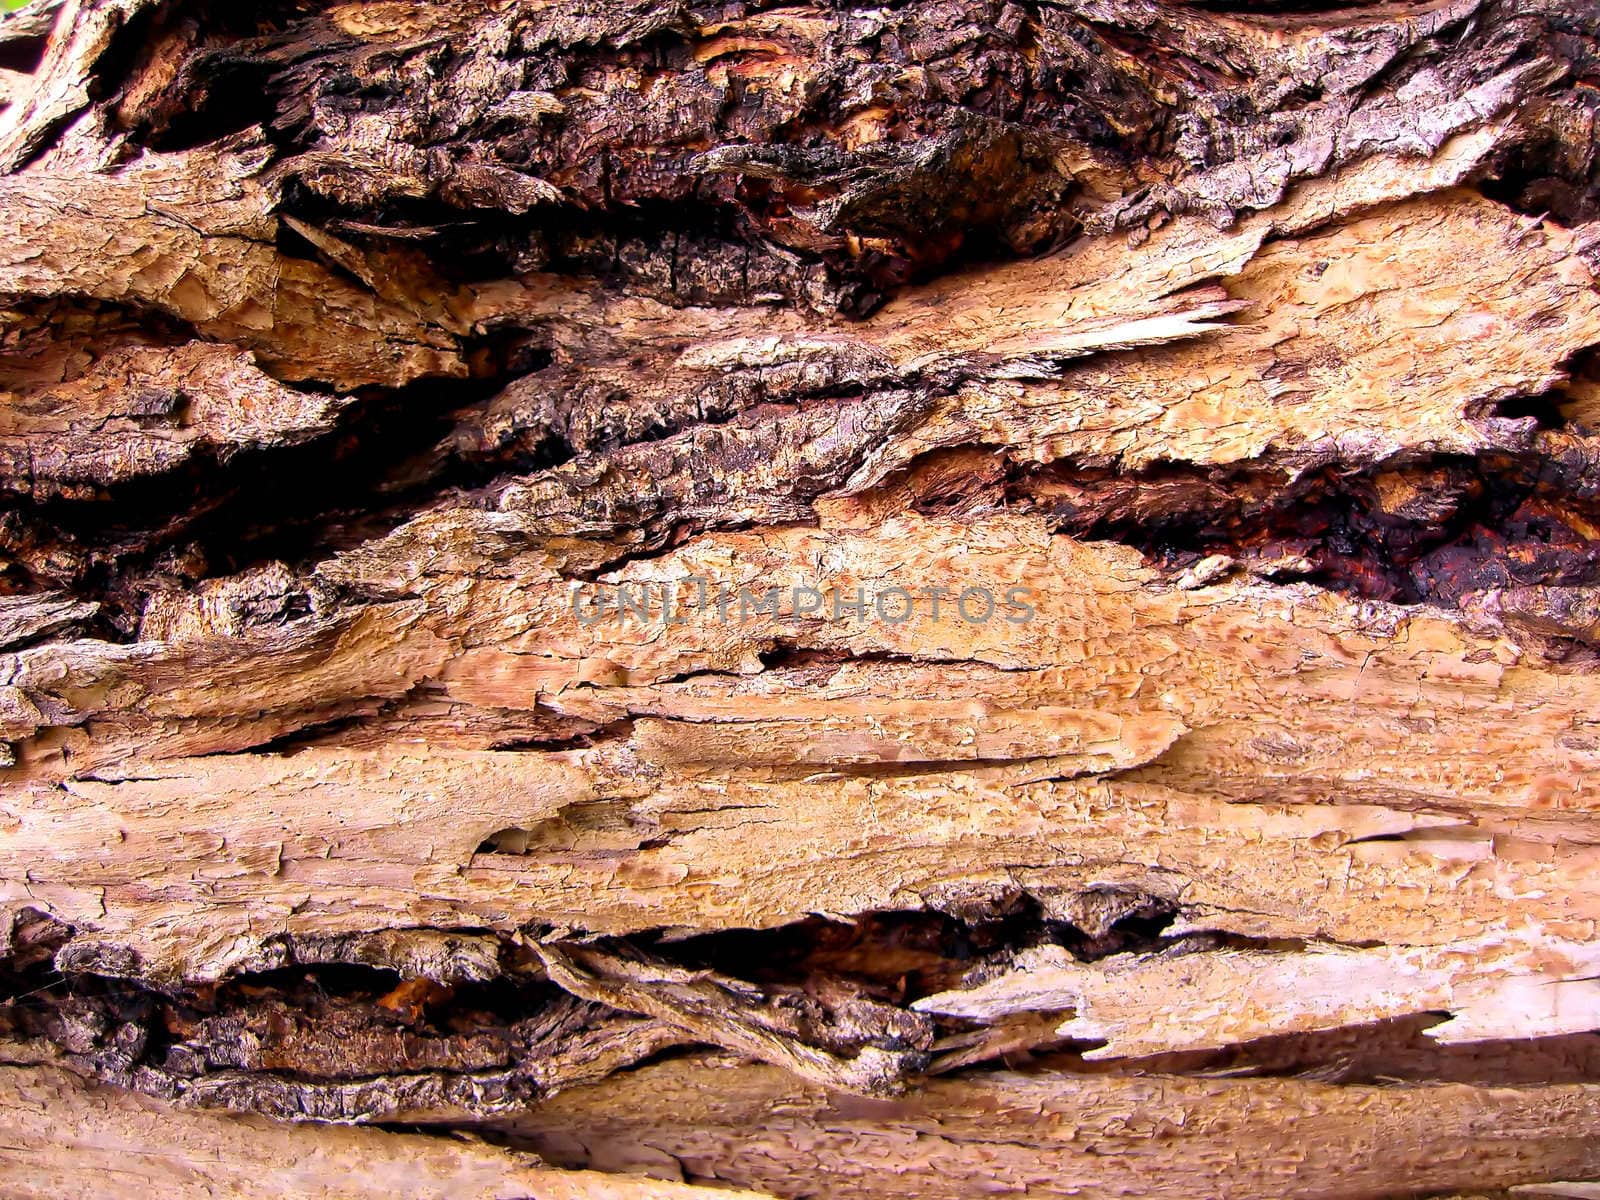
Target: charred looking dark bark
[[781, 210], [341, 343], [332, 1037]]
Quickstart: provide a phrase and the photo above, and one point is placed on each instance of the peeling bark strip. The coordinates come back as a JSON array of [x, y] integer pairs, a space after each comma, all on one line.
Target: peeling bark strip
[[66, 1136], [947, 598], [1062, 1134]]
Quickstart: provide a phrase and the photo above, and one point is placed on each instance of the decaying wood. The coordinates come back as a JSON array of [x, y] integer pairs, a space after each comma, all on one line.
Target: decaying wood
[[1063, 1134], [67, 1137], [480, 482]]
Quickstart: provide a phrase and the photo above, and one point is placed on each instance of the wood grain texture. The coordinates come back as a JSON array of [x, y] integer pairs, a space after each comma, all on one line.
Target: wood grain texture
[[1096, 1136], [945, 598], [67, 1137]]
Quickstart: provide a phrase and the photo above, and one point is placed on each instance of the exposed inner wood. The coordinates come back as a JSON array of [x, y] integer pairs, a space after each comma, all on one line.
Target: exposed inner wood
[[833, 601]]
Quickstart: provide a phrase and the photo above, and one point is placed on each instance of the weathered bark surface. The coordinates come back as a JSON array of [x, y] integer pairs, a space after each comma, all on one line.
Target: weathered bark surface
[[1002, 1133], [352, 355], [67, 1137]]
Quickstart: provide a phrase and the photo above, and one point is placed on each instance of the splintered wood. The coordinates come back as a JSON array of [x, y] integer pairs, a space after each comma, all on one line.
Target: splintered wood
[[799, 602], [66, 1137]]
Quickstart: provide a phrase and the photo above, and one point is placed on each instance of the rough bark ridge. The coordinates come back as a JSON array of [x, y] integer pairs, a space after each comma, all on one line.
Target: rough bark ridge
[[479, 481]]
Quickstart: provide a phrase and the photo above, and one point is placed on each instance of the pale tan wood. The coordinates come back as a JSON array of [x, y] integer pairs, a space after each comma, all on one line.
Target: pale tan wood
[[63, 1136], [1201, 1000], [335, 841], [346, 350], [1063, 1135]]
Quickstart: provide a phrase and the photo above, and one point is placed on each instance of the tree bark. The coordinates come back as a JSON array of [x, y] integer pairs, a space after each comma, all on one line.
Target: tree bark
[[959, 597]]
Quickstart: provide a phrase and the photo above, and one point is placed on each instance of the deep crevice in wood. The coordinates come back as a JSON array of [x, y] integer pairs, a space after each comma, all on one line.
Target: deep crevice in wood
[[342, 344]]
